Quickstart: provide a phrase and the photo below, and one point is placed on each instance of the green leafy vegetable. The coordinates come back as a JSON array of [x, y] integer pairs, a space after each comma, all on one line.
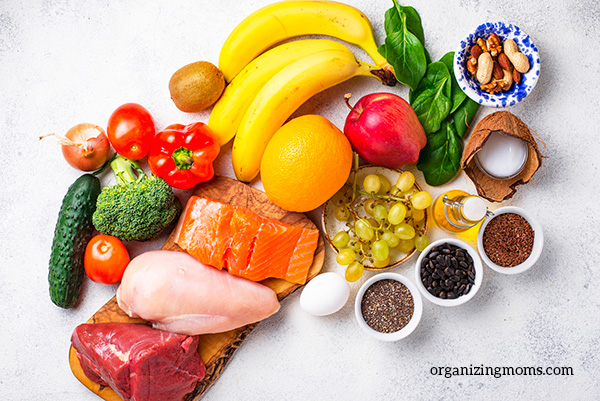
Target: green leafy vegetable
[[439, 160], [403, 47], [463, 116], [431, 99], [458, 96]]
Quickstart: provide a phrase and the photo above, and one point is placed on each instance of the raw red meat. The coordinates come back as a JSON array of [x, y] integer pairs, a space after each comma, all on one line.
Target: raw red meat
[[138, 362]]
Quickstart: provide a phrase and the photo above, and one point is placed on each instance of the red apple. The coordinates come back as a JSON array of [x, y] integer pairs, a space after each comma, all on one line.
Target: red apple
[[384, 130]]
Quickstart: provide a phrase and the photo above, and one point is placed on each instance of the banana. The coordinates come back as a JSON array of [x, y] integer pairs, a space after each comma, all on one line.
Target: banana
[[280, 21], [281, 96], [227, 113]]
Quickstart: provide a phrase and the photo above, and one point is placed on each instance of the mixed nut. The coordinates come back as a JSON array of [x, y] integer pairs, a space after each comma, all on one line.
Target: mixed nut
[[497, 65]]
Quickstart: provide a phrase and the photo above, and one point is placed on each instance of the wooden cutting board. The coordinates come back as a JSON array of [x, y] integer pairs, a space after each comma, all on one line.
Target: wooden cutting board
[[215, 349]]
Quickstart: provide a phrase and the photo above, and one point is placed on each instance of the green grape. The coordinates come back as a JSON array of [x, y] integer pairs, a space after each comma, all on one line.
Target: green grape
[[381, 263], [380, 212], [421, 200], [354, 245], [421, 242], [390, 238], [397, 213], [404, 231], [406, 245], [340, 240], [341, 213], [372, 183], [369, 203], [345, 256], [374, 223], [386, 185], [354, 271], [381, 250], [418, 214], [363, 230], [405, 181]]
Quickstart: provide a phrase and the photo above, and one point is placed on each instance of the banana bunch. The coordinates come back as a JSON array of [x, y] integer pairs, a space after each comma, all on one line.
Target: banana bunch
[[266, 88]]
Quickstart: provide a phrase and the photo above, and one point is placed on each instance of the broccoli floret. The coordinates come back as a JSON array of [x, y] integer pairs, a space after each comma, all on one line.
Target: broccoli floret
[[138, 207]]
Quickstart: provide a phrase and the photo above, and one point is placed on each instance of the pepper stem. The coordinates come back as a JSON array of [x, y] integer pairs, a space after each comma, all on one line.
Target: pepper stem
[[183, 158]]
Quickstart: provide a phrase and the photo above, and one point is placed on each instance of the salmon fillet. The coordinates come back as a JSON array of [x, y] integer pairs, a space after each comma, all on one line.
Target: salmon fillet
[[244, 243]]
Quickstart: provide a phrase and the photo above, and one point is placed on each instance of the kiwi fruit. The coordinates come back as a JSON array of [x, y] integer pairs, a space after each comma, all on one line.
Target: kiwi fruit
[[196, 86]]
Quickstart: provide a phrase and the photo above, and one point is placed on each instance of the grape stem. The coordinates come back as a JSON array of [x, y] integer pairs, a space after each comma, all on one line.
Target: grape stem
[[389, 197]]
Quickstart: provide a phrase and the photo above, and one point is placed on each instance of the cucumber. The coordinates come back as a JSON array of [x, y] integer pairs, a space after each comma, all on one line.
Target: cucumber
[[73, 231]]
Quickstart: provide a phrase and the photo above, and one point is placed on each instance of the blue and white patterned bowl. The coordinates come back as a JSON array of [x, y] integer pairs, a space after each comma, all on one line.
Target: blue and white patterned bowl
[[470, 85]]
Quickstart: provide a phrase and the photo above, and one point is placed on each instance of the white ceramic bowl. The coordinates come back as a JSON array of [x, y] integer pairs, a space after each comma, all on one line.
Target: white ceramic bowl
[[406, 330], [538, 241], [476, 264], [331, 225], [470, 85]]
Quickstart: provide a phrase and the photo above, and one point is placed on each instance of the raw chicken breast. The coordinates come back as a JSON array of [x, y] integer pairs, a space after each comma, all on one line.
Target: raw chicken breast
[[182, 295]]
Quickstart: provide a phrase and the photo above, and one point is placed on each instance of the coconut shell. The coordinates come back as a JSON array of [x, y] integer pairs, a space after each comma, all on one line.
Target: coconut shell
[[505, 123]]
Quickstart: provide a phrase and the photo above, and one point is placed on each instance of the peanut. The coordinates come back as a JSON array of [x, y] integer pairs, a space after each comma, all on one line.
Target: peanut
[[506, 82], [518, 59], [485, 69]]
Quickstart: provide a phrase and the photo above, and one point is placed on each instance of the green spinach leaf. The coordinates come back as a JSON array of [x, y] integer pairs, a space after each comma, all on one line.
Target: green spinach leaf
[[403, 49], [463, 116], [431, 99], [457, 95], [439, 160], [413, 20]]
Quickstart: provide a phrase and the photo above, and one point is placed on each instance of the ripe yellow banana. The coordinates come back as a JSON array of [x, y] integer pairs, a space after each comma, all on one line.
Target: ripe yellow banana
[[281, 96], [280, 21], [227, 113]]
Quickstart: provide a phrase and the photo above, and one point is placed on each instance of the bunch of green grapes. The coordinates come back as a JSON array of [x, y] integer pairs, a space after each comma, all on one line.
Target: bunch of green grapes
[[393, 218]]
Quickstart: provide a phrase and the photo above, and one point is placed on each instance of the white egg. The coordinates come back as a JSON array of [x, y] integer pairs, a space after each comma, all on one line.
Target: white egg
[[325, 294]]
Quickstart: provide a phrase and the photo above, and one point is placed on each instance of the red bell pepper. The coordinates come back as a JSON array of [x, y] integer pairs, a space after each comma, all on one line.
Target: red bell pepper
[[183, 154]]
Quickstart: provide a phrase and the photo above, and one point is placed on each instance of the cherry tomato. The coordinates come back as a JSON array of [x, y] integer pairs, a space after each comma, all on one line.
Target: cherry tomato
[[105, 259], [131, 131]]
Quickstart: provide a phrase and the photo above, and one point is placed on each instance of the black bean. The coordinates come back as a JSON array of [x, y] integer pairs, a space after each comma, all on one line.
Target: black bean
[[425, 273], [448, 283], [454, 263], [434, 283], [433, 255], [461, 289], [452, 295], [464, 265], [456, 279], [436, 291], [442, 294], [460, 273], [471, 274], [449, 271], [440, 260], [435, 276], [446, 251], [448, 260]]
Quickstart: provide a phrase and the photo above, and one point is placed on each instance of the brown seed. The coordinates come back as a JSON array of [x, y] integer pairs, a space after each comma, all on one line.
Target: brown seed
[[497, 73], [476, 51], [516, 76], [504, 62]]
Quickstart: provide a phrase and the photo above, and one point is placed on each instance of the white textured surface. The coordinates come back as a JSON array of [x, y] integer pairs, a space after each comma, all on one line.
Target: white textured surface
[[63, 62]]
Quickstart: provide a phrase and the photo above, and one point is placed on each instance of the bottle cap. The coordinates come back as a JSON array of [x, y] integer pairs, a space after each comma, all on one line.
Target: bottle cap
[[474, 208]]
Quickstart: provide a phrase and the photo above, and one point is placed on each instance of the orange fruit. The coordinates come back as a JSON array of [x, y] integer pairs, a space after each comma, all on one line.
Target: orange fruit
[[305, 163]]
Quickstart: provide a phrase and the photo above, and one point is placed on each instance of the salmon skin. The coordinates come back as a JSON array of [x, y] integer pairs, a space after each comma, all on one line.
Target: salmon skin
[[246, 244]]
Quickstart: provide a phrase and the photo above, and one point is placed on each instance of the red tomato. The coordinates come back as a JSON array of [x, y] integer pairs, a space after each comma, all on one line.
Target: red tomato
[[131, 131], [105, 259]]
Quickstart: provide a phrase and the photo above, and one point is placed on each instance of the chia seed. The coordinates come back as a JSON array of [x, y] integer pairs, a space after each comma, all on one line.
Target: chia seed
[[387, 306], [508, 240]]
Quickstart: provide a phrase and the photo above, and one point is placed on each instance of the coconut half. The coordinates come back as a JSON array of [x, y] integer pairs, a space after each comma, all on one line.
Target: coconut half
[[505, 123]]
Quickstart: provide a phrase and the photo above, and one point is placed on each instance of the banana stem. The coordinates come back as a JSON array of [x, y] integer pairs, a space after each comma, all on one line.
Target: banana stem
[[386, 76]]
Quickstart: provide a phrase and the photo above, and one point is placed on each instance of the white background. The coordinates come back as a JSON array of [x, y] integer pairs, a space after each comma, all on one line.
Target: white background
[[66, 62]]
